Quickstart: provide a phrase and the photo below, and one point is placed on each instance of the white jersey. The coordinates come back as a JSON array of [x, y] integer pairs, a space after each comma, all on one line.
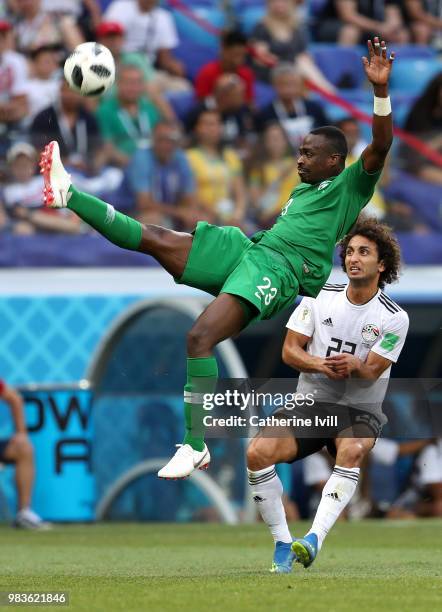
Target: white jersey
[[335, 325], [145, 32]]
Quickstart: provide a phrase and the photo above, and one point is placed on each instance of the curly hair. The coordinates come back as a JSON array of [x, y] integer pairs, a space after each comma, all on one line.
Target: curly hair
[[389, 251]]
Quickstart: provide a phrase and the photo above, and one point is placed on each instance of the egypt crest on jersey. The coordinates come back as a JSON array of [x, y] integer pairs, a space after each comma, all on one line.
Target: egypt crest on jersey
[[370, 333]]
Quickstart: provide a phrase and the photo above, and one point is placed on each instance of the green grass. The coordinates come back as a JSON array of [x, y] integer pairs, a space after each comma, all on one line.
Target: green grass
[[205, 567]]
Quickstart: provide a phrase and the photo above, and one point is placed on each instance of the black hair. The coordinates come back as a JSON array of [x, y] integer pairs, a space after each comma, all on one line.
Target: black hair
[[336, 139], [388, 248], [232, 38]]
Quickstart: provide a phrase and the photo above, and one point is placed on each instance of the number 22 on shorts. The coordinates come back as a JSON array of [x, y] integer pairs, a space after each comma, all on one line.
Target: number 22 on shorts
[[266, 290]]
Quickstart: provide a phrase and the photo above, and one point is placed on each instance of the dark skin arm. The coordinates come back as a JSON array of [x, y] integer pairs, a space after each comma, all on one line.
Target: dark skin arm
[[378, 68]]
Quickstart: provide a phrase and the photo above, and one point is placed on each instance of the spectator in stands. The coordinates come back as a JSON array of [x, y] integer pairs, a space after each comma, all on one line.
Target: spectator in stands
[[127, 118], [111, 35], [233, 61], [86, 13], [18, 450], [35, 27], [423, 493], [425, 121], [352, 22], [13, 76], [162, 181], [296, 114], [22, 196], [273, 175], [278, 38], [77, 131], [43, 86], [220, 185], [150, 30], [425, 116], [356, 144], [425, 19], [70, 123], [229, 100], [418, 491]]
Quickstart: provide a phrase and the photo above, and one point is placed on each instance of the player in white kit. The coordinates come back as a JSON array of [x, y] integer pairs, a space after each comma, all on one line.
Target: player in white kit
[[343, 343]]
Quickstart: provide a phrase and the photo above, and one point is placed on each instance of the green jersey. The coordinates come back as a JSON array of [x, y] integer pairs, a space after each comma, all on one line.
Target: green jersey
[[314, 219]]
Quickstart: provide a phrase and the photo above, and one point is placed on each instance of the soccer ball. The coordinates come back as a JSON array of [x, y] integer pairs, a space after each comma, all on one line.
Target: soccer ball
[[90, 69]]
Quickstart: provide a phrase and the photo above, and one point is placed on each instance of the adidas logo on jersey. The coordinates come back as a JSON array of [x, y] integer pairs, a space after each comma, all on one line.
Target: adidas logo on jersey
[[328, 322], [258, 498]]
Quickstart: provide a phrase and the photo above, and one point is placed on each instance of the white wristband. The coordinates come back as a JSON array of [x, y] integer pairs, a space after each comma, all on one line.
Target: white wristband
[[382, 106]]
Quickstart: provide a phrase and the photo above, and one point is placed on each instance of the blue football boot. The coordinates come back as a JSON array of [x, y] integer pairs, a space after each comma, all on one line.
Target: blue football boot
[[283, 558], [305, 549]]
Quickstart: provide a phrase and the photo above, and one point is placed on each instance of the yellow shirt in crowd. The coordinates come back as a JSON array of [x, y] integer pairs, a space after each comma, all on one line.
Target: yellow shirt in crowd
[[213, 175]]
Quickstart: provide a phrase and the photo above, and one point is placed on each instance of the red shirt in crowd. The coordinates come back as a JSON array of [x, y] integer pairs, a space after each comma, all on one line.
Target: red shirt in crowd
[[2, 386], [206, 78]]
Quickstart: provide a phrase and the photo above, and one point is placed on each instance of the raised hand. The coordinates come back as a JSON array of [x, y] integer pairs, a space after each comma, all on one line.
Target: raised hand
[[378, 66]]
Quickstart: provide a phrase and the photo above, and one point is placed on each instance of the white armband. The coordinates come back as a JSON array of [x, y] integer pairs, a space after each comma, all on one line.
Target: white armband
[[382, 106]]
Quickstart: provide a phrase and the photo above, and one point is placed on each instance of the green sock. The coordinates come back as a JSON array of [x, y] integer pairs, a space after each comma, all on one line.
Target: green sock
[[202, 374], [123, 231]]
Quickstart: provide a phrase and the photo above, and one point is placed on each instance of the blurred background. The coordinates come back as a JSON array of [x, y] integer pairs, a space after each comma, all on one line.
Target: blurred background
[[211, 101]]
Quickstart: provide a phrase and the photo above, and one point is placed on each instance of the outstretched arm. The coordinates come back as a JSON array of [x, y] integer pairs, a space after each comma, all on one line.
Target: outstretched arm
[[378, 68]]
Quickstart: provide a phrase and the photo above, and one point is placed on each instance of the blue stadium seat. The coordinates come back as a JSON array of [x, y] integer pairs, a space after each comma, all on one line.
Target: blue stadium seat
[[249, 17], [424, 197], [341, 65], [194, 56], [414, 52], [264, 94], [191, 31], [241, 5], [181, 102], [315, 7], [413, 75], [356, 96]]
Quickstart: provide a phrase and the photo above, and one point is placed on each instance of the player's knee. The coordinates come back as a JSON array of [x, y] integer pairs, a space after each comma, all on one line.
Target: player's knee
[[21, 447], [351, 455], [199, 340], [156, 237], [259, 455]]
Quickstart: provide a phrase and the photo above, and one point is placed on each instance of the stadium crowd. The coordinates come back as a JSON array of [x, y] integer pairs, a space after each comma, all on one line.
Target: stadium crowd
[[210, 103]]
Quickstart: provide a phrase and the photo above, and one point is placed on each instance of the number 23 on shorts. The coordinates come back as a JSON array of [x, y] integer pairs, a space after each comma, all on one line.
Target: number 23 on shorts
[[266, 290]]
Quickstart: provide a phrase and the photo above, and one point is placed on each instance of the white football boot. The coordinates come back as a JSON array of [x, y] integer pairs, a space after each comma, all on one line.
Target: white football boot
[[28, 519], [56, 180], [184, 461]]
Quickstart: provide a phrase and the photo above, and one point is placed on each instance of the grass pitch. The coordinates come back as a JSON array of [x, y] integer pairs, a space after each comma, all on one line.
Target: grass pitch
[[368, 565]]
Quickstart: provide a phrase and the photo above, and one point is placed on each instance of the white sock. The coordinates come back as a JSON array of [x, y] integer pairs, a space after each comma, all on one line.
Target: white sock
[[267, 494], [336, 494]]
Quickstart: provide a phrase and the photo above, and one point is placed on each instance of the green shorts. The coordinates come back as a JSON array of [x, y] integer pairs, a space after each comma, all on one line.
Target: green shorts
[[224, 260]]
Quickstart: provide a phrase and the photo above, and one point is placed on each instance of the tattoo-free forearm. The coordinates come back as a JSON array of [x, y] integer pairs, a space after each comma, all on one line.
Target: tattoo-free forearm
[[300, 360]]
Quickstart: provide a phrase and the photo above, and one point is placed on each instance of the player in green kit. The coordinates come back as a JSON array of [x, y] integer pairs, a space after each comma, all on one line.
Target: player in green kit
[[253, 278]]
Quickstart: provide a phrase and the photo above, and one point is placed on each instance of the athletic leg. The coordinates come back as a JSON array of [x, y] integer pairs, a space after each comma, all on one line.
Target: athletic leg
[[171, 249], [336, 494], [223, 318], [20, 451], [263, 453]]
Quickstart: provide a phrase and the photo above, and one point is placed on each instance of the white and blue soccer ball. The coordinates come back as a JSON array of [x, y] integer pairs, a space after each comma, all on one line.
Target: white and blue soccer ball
[[90, 69]]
